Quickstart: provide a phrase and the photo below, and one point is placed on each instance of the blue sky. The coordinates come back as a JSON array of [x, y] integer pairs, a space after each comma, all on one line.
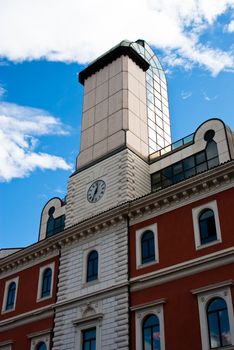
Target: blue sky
[[42, 48]]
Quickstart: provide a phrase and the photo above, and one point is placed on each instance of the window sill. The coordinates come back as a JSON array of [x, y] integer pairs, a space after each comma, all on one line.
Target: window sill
[[147, 264], [44, 298], [206, 245]]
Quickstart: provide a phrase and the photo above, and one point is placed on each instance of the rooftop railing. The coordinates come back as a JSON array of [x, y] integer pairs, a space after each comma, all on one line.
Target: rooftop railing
[[172, 147]]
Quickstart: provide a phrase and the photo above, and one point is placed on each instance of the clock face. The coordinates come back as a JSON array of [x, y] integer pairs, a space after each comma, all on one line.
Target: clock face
[[96, 191]]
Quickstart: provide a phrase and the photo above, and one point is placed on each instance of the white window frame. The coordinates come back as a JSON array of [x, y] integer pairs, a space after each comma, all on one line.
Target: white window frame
[[41, 271], [85, 265], [204, 295], [83, 325], [16, 280], [39, 337], [141, 313], [195, 214], [139, 234], [6, 345]]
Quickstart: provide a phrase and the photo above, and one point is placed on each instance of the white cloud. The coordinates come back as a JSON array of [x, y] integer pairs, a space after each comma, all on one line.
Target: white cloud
[[186, 94], [71, 30], [208, 98], [2, 91], [230, 27], [20, 129]]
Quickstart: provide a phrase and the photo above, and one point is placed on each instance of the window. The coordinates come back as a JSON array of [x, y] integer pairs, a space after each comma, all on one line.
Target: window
[[216, 315], [149, 326], [92, 266], [54, 225], [46, 283], [10, 294], [151, 333], [147, 247], [89, 339], [41, 346], [195, 164], [206, 225], [218, 323]]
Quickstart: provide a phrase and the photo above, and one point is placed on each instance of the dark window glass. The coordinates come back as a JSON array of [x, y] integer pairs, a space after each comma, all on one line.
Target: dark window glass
[[189, 163], [200, 158], [218, 323], [167, 176], [41, 346], [151, 333], [177, 168], [89, 339], [46, 283], [147, 247], [190, 172], [92, 266], [213, 162], [207, 226], [187, 167], [201, 167], [54, 225], [11, 296], [211, 150]]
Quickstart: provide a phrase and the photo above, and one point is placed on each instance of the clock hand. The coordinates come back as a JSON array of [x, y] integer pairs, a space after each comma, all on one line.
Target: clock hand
[[95, 191]]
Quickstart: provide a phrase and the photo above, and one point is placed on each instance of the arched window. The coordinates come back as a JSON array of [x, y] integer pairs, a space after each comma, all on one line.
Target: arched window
[[54, 225], [147, 247], [92, 266], [46, 283], [218, 323], [207, 226], [11, 296], [151, 333], [41, 346]]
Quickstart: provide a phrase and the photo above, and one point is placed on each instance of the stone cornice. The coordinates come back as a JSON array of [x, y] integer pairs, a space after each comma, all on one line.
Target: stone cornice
[[214, 180]]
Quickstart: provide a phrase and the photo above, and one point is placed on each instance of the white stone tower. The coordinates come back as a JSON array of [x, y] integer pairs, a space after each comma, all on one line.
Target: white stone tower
[[125, 119]]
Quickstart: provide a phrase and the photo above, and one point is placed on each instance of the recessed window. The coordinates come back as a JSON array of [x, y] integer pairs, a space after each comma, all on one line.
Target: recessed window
[[218, 323], [151, 333], [216, 315], [41, 346], [46, 283], [11, 296], [206, 225], [89, 339], [92, 266], [147, 247]]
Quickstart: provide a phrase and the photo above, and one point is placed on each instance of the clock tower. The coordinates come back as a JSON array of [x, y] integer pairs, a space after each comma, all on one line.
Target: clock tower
[[125, 119]]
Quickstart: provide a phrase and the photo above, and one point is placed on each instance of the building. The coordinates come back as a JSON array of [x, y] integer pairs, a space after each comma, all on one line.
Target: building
[[140, 254]]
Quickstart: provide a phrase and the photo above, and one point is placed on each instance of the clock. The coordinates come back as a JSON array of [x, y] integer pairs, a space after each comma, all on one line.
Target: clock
[[96, 191]]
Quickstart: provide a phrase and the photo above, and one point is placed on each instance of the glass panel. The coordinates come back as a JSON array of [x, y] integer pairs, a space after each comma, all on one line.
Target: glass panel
[[225, 328], [189, 163], [200, 158], [177, 168], [213, 162], [177, 144], [217, 304], [147, 339], [213, 330], [190, 172], [211, 150], [201, 167]]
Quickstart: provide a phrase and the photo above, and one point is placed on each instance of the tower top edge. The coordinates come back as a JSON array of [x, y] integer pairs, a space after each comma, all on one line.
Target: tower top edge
[[123, 48]]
